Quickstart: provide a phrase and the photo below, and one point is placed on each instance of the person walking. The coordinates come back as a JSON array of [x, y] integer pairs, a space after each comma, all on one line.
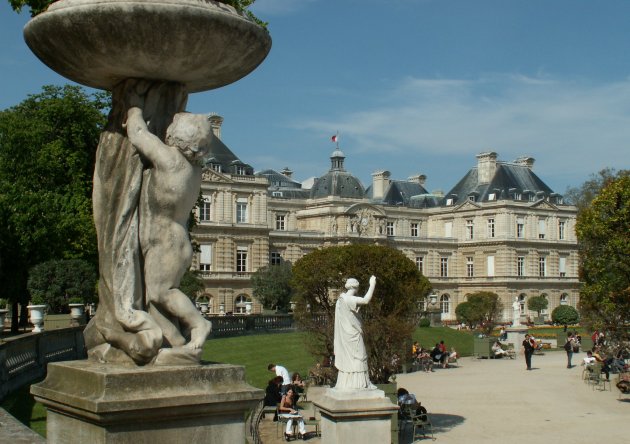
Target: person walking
[[568, 347], [528, 348]]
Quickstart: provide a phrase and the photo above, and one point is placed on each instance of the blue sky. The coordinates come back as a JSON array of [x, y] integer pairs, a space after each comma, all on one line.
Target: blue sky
[[415, 86]]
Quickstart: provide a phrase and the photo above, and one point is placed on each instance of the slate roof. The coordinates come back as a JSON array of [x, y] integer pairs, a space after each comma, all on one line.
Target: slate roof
[[220, 154], [400, 192], [283, 186], [337, 181], [509, 179]]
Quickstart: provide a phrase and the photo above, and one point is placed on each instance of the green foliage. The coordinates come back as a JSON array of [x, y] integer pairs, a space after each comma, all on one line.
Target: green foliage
[[3, 303], [47, 151], [388, 320], [424, 323], [59, 281], [271, 285], [481, 310], [565, 315], [583, 195], [23, 407], [537, 303], [603, 232], [191, 284], [37, 6]]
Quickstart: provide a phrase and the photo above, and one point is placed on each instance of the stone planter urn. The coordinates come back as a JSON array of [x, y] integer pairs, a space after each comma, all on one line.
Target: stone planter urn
[[222, 309], [203, 306], [37, 317], [248, 307], [76, 310]]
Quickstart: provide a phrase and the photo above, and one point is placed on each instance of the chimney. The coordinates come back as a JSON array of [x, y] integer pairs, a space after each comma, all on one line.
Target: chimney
[[287, 172], [486, 166], [216, 121], [380, 181], [420, 178], [525, 161]]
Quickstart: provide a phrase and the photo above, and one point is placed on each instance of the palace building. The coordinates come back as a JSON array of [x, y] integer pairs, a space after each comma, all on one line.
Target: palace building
[[499, 229]]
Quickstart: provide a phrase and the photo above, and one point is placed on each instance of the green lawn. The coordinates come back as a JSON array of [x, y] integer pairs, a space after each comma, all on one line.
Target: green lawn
[[254, 353]]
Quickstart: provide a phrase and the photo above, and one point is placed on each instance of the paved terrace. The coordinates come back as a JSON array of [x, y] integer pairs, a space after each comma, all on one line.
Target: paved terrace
[[498, 401]]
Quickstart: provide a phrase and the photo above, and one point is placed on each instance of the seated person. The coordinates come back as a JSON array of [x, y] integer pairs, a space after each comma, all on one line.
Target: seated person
[[272, 392], [287, 410], [589, 360], [599, 357], [438, 356], [407, 402], [415, 349], [497, 350], [298, 383], [453, 355], [426, 362]]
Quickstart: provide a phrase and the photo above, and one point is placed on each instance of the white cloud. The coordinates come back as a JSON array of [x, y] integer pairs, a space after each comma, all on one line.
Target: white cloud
[[571, 127]]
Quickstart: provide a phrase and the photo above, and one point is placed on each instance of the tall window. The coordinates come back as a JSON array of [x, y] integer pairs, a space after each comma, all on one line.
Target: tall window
[[204, 210], [275, 258], [280, 222], [414, 230], [241, 211], [520, 266], [520, 228], [490, 266], [542, 228], [470, 229], [470, 267], [216, 167], [390, 228], [562, 266], [205, 258], [561, 226], [564, 299], [521, 302], [448, 229], [420, 263], [241, 259], [445, 304], [542, 266], [491, 228], [444, 267], [240, 304], [240, 170]]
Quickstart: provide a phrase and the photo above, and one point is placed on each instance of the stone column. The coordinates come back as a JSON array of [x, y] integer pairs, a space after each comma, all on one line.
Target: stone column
[[355, 416], [89, 402]]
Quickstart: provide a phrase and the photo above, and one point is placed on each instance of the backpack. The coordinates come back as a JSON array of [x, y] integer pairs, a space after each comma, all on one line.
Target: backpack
[[567, 346]]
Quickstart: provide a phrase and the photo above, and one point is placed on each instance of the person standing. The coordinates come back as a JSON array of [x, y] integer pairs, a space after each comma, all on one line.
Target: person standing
[[568, 347], [528, 347], [281, 371]]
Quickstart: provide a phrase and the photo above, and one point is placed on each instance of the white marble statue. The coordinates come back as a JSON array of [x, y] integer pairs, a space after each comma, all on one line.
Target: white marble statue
[[350, 352], [516, 306]]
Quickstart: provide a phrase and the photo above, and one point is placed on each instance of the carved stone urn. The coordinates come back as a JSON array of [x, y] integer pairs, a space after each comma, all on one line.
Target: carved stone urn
[[36, 316]]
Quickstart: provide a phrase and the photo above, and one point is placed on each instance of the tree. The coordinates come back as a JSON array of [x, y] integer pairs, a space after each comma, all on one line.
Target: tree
[[271, 285], [59, 281], [537, 304], [583, 195], [603, 232], [388, 320], [565, 315], [47, 151], [191, 284], [481, 310]]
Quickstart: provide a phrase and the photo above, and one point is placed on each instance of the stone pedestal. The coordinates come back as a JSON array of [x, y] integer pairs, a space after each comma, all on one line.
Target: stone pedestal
[[516, 335], [94, 403], [355, 417]]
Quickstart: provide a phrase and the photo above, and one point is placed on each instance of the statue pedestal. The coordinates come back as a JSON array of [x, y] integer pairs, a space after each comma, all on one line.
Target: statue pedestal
[[89, 402], [516, 336], [355, 416]]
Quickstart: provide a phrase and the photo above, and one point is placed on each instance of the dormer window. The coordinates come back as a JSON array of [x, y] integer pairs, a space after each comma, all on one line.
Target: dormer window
[[216, 167], [471, 198], [492, 196], [240, 170], [449, 202]]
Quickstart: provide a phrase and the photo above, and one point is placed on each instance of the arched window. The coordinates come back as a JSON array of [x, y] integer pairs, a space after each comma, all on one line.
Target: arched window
[[544, 312], [564, 299], [521, 300], [445, 304], [240, 304]]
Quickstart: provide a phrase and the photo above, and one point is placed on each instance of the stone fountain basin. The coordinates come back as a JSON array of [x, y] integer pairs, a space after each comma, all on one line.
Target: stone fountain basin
[[200, 43]]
